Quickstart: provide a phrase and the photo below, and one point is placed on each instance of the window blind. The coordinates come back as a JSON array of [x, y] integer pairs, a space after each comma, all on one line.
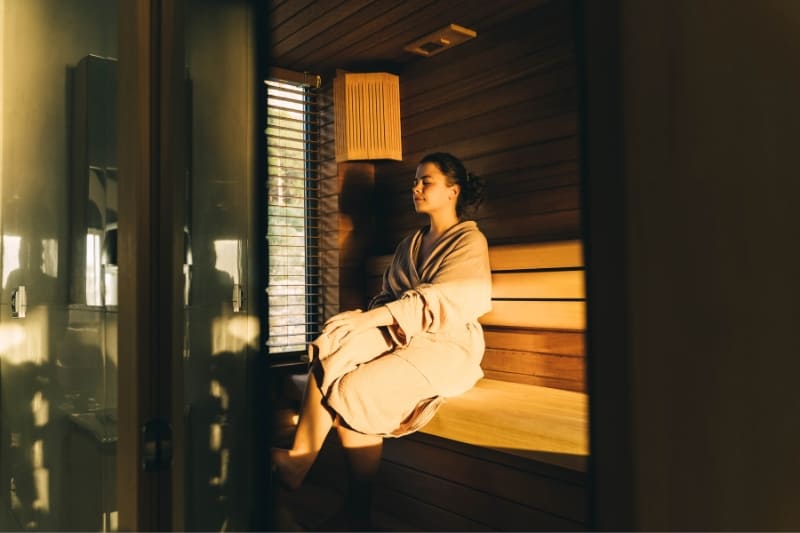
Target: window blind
[[293, 284]]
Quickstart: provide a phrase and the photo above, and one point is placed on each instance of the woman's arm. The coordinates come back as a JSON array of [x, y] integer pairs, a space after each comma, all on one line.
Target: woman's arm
[[459, 291], [342, 325]]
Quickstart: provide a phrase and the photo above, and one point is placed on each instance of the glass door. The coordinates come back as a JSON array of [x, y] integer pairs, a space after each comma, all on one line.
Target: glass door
[[224, 412], [129, 330], [59, 209]]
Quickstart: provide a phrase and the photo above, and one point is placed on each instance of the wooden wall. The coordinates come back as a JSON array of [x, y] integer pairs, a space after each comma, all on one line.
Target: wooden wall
[[506, 104], [346, 224]]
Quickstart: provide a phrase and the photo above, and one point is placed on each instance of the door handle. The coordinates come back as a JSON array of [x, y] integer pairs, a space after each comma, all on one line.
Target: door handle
[[19, 302]]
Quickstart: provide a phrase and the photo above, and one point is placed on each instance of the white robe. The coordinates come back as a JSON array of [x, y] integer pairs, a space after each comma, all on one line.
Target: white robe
[[390, 381]]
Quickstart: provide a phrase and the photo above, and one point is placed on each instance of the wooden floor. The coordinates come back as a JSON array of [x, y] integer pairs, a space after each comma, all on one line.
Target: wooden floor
[[541, 423]]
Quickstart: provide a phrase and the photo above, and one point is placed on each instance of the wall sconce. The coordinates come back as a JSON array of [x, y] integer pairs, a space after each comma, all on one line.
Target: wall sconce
[[367, 116]]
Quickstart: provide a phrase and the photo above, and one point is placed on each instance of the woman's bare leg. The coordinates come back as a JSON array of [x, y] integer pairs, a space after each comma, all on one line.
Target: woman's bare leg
[[312, 429], [363, 456]]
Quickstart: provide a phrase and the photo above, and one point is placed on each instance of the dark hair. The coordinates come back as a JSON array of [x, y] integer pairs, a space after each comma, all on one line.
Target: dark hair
[[472, 186]]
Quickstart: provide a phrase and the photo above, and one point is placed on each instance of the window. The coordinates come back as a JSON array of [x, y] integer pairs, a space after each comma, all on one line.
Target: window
[[293, 285]]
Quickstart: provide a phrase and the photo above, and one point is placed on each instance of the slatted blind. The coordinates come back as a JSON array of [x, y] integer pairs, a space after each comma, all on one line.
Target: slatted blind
[[293, 286]]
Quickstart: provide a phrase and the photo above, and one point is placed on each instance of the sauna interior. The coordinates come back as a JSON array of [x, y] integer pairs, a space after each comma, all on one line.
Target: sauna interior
[[640, 368], [512, 453]]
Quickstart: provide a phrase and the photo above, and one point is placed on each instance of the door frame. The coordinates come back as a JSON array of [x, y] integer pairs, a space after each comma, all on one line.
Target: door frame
[[152, 144]]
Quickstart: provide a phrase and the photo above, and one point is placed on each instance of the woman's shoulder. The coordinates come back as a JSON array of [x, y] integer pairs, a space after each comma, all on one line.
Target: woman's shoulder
[[469, 230]]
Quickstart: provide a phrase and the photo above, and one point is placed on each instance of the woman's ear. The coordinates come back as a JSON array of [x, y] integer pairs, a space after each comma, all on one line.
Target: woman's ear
[[455, 190]]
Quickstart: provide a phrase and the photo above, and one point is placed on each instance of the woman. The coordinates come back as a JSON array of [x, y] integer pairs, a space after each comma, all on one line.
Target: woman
[[385, 371]]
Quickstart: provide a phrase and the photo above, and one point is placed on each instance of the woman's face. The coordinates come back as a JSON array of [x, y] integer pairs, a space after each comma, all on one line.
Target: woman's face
[[431, 192]]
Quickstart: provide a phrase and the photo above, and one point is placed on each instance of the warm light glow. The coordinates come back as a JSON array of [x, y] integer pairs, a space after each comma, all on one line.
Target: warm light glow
[[11, 335], [215, 437], [234, 334], [49, 257], [228, 252], [37, 455], [11, 243], [367, 116], [27, 340], [2, 111], [218, 391], [94, 279], [295, 419], [110, 521], [41, 477], [41, 409]]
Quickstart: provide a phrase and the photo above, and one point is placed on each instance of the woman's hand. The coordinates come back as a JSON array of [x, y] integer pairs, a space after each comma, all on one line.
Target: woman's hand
[[339, 327]]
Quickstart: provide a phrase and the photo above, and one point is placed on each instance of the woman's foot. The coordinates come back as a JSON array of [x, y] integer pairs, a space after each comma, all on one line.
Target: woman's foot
[[289, 467]]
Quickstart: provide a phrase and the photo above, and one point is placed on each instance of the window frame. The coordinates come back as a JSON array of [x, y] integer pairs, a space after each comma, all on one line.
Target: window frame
[[293, 349]]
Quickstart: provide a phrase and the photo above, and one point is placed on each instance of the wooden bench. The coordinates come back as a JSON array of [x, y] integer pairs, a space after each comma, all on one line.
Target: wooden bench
[[511, 453]]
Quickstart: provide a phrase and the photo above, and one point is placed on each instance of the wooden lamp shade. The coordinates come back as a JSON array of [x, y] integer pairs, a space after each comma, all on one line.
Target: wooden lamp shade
[[367, 116]]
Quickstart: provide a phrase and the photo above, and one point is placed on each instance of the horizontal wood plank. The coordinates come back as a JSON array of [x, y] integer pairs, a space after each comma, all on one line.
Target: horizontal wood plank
[[475, 505], [527, 256], [537, 314], [566, 284], [534, 364], [539, 381], [517, 483], [558, 254], [557, 225], [535, 340], [421, 514]]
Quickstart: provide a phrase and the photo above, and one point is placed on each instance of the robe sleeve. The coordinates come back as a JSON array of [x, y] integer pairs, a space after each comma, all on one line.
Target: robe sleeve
[[458, 292], [385, 296]]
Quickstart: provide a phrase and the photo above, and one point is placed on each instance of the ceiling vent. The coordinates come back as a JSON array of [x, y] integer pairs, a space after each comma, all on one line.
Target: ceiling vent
[[440, 40]]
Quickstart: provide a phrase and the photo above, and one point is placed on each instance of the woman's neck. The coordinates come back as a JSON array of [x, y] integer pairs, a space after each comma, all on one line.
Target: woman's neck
[[441, 223]]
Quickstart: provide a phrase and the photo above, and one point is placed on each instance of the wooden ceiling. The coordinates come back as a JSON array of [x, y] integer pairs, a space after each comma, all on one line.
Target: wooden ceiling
[[323, 35]]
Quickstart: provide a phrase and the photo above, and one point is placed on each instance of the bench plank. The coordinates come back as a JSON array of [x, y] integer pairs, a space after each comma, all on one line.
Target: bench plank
[[541, 423], [541, 341], [557, 254], [534, 364], [567, 315], [563, 284], [539, 381], [530, 256]]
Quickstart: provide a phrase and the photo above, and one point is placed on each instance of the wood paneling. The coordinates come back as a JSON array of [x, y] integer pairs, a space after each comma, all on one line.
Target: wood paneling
[[328, 34], [550, 284], [546, 488], [534, 364], [507, 107], [558, 254], [506, 104], [536, 314], [540, 341], [436, 504]]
